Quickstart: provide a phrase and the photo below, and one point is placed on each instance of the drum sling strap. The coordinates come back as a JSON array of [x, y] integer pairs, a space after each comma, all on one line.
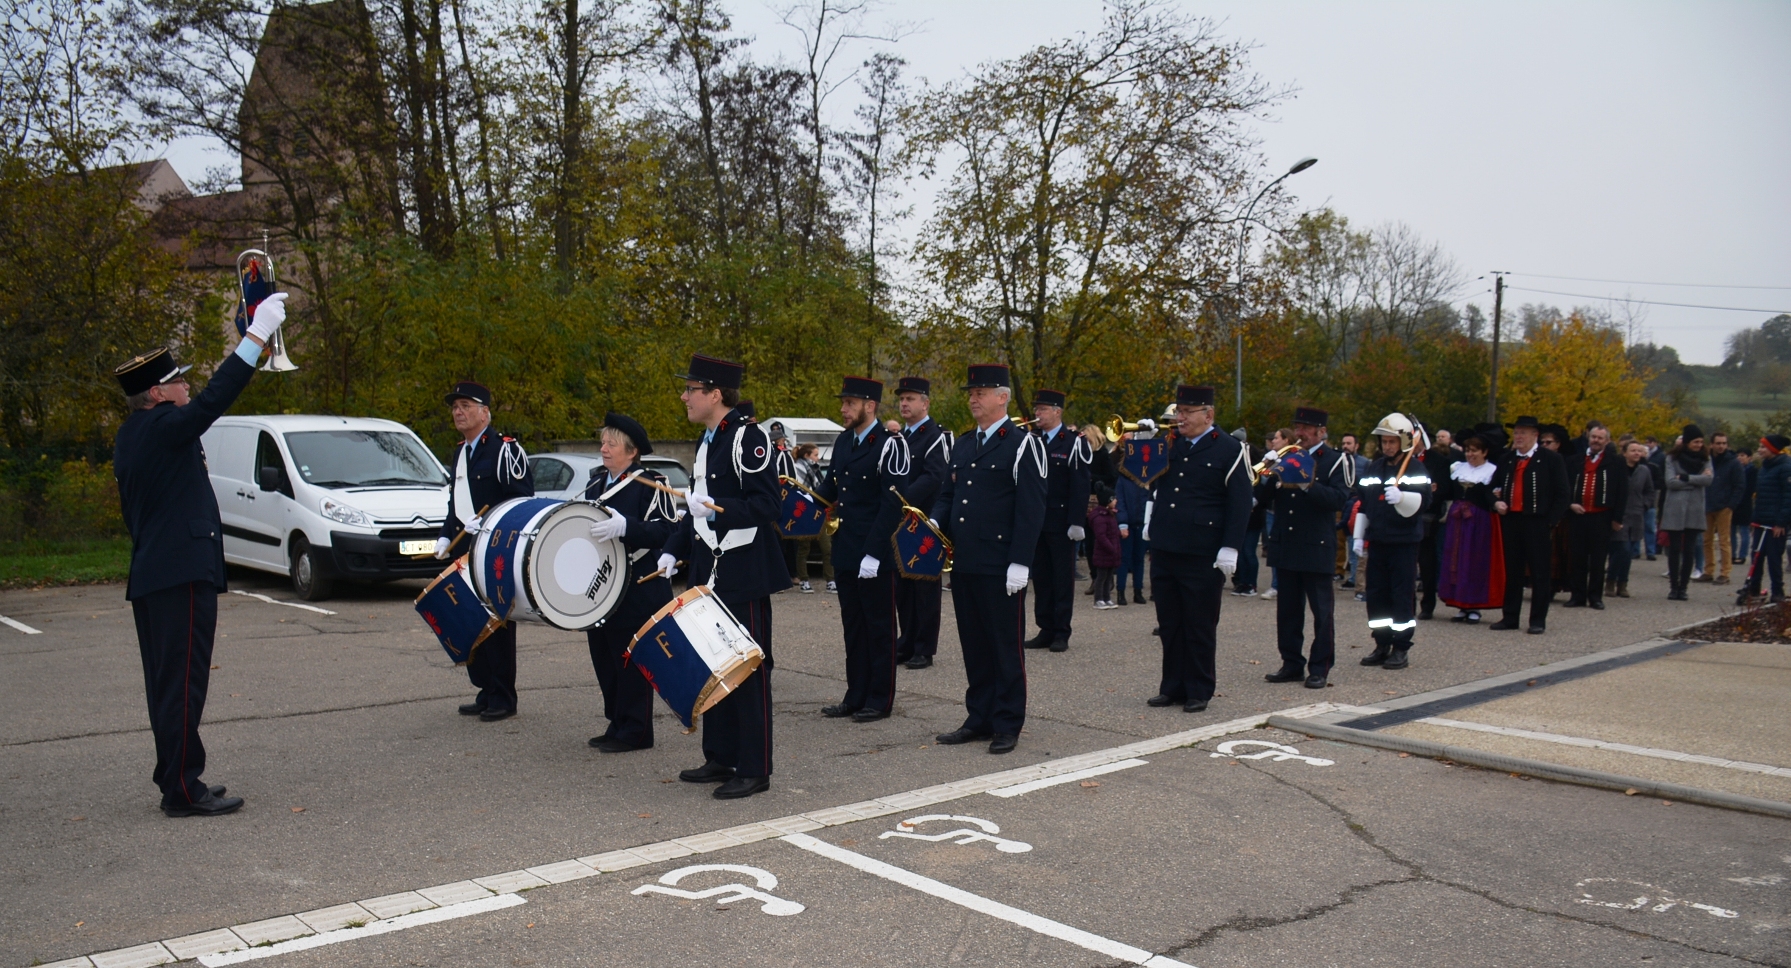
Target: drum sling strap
[[738, 537]]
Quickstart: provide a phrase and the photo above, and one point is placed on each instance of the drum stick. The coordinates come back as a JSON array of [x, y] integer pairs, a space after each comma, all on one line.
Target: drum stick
[[647, 578], [675, 492], [456, 541]]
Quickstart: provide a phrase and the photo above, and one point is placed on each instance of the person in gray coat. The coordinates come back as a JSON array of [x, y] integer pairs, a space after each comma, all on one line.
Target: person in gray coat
[[1638, 500], [1682, 512]]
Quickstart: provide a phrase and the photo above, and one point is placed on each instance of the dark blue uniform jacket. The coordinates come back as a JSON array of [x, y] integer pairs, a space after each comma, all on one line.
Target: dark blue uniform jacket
[[748, 497], [1066, 489], [991, 504], [1304, 537], [498, 471], [1202, 499], [862, 483], [929, 463], [650, 524]]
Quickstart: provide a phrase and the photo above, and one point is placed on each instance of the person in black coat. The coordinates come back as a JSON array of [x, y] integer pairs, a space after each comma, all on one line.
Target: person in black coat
[[1533, 495], [489, 469], [642, 518], [177, 549], [991, 506], [735, 551], [863, 484], [918, 600], [1599, 489], [1066, 514], [1303, 550], [1199, 509]]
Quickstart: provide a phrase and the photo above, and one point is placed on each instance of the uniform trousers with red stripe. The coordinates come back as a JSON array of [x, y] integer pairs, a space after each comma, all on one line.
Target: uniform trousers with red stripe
[[175, 628], [992, 632], [1188, 591], [737, 730], [868, 618]]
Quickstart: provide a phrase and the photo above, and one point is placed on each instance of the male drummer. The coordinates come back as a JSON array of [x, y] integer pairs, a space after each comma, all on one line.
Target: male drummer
[[489, 469], [642, 518], [929, 450], [869, 465], [730, 540]]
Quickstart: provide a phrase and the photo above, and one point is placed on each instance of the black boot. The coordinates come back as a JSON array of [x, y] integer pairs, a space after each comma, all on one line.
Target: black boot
[[1396, 659], [1379, 655]]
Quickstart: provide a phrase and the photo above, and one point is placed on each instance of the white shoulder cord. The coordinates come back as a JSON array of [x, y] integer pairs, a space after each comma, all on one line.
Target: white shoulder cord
[[1031, 443], [895, 449], [1239, 462], [944, 440], [514, 460], [740, 468], [1081, 451]]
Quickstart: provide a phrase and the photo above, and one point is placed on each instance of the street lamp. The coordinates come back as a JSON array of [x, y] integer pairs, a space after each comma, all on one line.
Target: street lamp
[[1243, 244]]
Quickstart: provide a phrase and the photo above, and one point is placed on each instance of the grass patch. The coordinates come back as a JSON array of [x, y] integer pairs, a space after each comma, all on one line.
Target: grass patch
[[33, 563]]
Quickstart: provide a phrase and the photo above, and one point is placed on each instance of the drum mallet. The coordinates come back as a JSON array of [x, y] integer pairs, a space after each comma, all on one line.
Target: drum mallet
[[647, 578], [676, 493]]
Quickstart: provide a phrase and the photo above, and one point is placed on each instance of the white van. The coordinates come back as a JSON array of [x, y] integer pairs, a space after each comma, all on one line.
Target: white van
[[326, 498]]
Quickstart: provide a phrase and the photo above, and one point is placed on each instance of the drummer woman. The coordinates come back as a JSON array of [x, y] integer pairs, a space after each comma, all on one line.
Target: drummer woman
[[642, 519]]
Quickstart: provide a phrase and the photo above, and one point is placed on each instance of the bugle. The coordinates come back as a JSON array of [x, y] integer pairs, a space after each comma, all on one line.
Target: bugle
[[255, 281]]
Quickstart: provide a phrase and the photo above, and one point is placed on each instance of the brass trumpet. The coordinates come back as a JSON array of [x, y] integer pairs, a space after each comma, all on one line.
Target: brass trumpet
[[255, 268], [1262, 466], [1118, 427]]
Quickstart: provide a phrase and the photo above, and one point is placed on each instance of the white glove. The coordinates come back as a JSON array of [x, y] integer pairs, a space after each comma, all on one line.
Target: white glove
[[698, 504], [1076, 532], [934, 522], [1148, 505], [268, 317], [867, 567], [1017, 576], [473, 525], [1359, 546], [611, 528], [441, 547], [1393, 493], [1226, 561], [667, 565]]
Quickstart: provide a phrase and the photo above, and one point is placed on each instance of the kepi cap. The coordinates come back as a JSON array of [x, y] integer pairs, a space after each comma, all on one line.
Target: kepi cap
[[1187, 396], [1049, 398], [915, 384], [468, 390], [715, 372], [1310, 416], [630, 427], [146, 370], [863, 388], [987, 375]]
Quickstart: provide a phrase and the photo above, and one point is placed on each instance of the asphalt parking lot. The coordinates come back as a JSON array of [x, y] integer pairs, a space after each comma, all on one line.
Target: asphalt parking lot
[[362, 783]]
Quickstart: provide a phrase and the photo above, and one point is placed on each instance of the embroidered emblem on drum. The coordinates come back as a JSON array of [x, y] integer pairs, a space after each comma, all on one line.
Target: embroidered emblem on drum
[[905, 829], [1275, 752], [497, 567], [763, 881]]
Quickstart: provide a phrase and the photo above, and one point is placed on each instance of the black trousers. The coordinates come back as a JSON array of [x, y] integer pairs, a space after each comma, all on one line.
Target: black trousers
[[1054, 582], [1188, 590], [1588, 544], [175, 628], [493, 669], [627, 695], [1769, 554], [737, 730], [1528, 543], [992, 633], [1429, 564], [1392, 580], [868, 617], [917, 609], [1300, 590], [1682, 550]]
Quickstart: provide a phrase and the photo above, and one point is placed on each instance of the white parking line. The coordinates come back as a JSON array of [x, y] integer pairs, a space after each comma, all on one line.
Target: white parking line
[[982, 905], [464, 909], [1020, 788], [21, 626], [1598, 744], [275, 601]]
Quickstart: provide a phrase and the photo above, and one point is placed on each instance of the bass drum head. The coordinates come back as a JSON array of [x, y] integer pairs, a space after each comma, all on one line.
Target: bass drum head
[[573, 580]]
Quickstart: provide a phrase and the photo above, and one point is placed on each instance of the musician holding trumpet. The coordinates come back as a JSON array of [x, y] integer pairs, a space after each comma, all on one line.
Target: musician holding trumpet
[[1308, 491]]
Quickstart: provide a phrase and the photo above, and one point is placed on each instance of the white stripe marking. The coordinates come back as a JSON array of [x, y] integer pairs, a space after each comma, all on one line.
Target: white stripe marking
[[464, 909], [21, 626], [1598, 744], [275, 601], [1020, 788], [980, 904]]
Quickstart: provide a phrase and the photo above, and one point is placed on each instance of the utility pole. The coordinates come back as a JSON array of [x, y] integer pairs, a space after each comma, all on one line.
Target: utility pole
[[1492, 391]]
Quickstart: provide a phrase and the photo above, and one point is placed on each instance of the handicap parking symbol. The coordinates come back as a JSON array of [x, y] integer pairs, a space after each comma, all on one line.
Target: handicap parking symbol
[[763, 881], [906, 830], [1274, 752]]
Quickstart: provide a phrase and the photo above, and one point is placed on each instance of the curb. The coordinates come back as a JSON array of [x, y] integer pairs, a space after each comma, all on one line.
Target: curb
[[1535, 768]]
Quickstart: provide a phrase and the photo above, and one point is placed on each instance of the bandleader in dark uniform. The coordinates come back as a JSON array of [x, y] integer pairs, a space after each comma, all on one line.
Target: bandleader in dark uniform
[[642, 518], [1066, 516], [1200, 508], [1303, 551], [489, 468], [735, 552], [177, 549], [1531, 484], [929, 456], [863, 483], [991, 506], [1394, 492]]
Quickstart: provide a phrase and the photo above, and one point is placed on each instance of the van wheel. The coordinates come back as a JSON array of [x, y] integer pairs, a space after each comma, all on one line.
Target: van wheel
[[310, 577]]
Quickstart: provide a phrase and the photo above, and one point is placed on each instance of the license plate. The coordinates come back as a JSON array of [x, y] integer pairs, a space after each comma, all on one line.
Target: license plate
[[416, 547]]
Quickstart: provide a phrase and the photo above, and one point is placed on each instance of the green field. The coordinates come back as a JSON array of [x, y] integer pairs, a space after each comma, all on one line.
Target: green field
[[1722, 394], [26, 564]]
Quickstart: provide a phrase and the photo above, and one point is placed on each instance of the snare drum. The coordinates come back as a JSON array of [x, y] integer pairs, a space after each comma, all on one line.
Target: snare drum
[[534, 560], [455, 614], [694, 653]]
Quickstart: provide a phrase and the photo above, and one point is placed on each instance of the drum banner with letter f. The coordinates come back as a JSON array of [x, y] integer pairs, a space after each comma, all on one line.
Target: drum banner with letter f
[[1144, 460]]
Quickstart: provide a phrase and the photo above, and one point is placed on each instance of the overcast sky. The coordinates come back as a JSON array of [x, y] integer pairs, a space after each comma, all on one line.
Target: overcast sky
[[1645, 143]]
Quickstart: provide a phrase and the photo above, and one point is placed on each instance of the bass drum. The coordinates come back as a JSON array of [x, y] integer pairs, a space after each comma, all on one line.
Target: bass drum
[[534, 560]]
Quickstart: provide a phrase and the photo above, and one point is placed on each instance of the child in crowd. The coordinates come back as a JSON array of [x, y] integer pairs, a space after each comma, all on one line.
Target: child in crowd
[[1103, 536]]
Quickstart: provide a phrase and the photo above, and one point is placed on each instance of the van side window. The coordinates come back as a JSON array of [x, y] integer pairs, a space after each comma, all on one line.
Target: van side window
[[267, 456]]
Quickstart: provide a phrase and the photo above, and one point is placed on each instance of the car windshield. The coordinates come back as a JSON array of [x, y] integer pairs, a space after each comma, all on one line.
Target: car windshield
[[363, 458]]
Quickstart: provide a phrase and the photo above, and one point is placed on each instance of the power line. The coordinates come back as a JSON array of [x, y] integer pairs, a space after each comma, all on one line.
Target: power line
[[1637, 282], [1644, 302]]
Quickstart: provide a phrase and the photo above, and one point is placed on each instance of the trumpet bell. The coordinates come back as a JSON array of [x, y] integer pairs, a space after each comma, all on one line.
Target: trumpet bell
[[1118, 427], [277, 360]]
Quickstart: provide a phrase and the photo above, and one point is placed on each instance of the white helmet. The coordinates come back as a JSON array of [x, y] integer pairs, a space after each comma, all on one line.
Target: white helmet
[[1396, 425]]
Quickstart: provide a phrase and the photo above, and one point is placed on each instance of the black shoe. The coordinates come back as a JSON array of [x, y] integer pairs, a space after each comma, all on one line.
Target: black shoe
[[211, 806], [472, 709], [1574, 603], [1676, 595], [1597, 606], [1502, 626], [1426, 615], [963, 734], [1039, 641], [1650, 557], [919, 662], [1003, 743], [1347, 584], [216, 791], [1317, 681], [710, 772], [1378, 656], [838, 710], [613, 745], [1396, 659], [1060, 645], [1285, 674], [869, 715], [1137, 597], [1776, 598], [493, 715], [902, 659], [1536, 630], [597, 741], [1162, 699], [742, 786], [1157, 630], [1194, 706]]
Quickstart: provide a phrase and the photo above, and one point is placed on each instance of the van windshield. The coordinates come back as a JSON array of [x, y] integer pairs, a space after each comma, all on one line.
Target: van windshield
[[363, 458]]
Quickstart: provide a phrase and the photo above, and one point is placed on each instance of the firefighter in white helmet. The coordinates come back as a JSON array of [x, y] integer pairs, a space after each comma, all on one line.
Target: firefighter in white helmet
[[1393, 491]]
